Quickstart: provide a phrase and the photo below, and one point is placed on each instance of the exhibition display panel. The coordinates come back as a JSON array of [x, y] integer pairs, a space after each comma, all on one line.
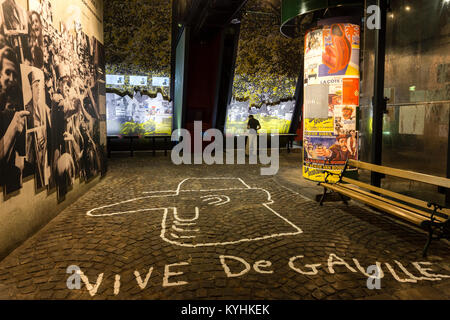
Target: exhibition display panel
[[138, 71], [52, 99], [266, 73]]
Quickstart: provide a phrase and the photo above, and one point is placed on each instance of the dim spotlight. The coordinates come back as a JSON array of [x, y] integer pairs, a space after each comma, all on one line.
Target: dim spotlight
[[408, 8]]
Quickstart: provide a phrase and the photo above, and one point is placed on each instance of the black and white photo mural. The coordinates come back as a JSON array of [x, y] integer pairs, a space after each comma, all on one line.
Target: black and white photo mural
[[52, 96]]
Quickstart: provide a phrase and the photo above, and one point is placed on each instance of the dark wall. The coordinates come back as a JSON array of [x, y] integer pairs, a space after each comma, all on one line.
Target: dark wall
[[227, 64], [203, 62]]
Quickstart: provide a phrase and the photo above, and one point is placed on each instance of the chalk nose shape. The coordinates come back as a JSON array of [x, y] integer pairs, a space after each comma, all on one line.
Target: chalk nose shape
[[183, 217]]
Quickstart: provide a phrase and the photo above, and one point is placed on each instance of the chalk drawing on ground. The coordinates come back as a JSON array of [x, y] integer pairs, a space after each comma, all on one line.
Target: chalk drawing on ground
[[209, 212]]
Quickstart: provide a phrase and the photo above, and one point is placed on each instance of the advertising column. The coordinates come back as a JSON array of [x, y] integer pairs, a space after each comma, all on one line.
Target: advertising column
[[331, 97]]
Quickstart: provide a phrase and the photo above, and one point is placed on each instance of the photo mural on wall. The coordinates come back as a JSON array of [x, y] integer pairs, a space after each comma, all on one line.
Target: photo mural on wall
[[266, 74], [51, 91], [138, 50]]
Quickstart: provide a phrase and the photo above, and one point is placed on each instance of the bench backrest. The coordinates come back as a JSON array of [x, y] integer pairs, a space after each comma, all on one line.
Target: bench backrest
[[413, 176], [410, 175]]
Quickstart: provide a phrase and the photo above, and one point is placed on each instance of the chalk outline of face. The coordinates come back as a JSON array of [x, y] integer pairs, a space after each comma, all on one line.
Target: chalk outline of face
[[171, 193]]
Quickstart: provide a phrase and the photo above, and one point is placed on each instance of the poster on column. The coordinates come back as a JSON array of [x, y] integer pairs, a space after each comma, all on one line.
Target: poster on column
[[326, 151], [52, 75], [331, 90]]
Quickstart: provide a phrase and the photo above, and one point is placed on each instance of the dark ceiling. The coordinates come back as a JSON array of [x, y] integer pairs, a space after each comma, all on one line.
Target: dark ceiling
[[206, 17]]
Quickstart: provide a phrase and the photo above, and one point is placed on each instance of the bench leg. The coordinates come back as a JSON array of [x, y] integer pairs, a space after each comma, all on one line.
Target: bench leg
[[343, 199], [430, 237], [323, 196]]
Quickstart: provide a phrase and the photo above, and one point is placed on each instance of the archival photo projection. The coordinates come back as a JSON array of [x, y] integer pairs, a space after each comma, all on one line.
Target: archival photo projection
[[52, 95], [138, 69], [266, 74], [139, 115]]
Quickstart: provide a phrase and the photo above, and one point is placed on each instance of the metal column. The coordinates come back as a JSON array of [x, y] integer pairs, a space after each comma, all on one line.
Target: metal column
[[378, 101]]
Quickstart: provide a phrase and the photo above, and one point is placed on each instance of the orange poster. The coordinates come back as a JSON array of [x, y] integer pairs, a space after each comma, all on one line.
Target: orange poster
[[350, 88]]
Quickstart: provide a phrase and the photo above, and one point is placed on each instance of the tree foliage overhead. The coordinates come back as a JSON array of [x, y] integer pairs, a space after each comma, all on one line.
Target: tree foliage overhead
[[138, 37], [268, 64], [138, 32]]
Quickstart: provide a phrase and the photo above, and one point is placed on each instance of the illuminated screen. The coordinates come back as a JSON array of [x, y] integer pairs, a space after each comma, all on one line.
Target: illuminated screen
[[179, 80], [141, 104], [160, 81], [117, 80], [266, 74], [138, 81], [138, 115]]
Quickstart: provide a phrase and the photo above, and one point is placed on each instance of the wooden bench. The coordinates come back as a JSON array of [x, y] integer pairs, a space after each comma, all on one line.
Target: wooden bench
[[428, 215], [167, 145]]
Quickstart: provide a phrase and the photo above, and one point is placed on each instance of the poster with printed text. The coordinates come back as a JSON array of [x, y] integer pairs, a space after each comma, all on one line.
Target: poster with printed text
[[331, 91]]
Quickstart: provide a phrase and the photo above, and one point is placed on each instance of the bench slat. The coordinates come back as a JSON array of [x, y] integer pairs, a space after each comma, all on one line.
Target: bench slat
[[410, 175], [399, 212], [389, 193], [417, 211]]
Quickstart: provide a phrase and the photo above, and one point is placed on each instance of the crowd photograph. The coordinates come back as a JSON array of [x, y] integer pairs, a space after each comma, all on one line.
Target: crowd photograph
[[51, 77]]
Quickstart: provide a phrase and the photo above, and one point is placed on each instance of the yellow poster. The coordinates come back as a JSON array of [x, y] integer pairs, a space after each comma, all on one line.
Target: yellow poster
[[319, 125], [318, 174]]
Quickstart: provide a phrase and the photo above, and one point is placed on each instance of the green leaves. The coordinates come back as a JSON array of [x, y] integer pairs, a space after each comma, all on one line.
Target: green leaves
[[138, 35], [149, 126], [268, 64], [132, 128]]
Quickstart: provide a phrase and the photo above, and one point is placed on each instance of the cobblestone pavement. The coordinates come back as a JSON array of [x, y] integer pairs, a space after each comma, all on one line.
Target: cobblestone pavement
[[243, 236]]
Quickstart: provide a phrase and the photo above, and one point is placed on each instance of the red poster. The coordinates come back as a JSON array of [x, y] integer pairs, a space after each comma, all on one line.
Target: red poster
[[350, 88]]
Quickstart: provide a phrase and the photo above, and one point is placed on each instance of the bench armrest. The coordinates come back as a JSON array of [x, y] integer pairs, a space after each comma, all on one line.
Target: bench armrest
[[329, 173], [436, 207], [340, 175]]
